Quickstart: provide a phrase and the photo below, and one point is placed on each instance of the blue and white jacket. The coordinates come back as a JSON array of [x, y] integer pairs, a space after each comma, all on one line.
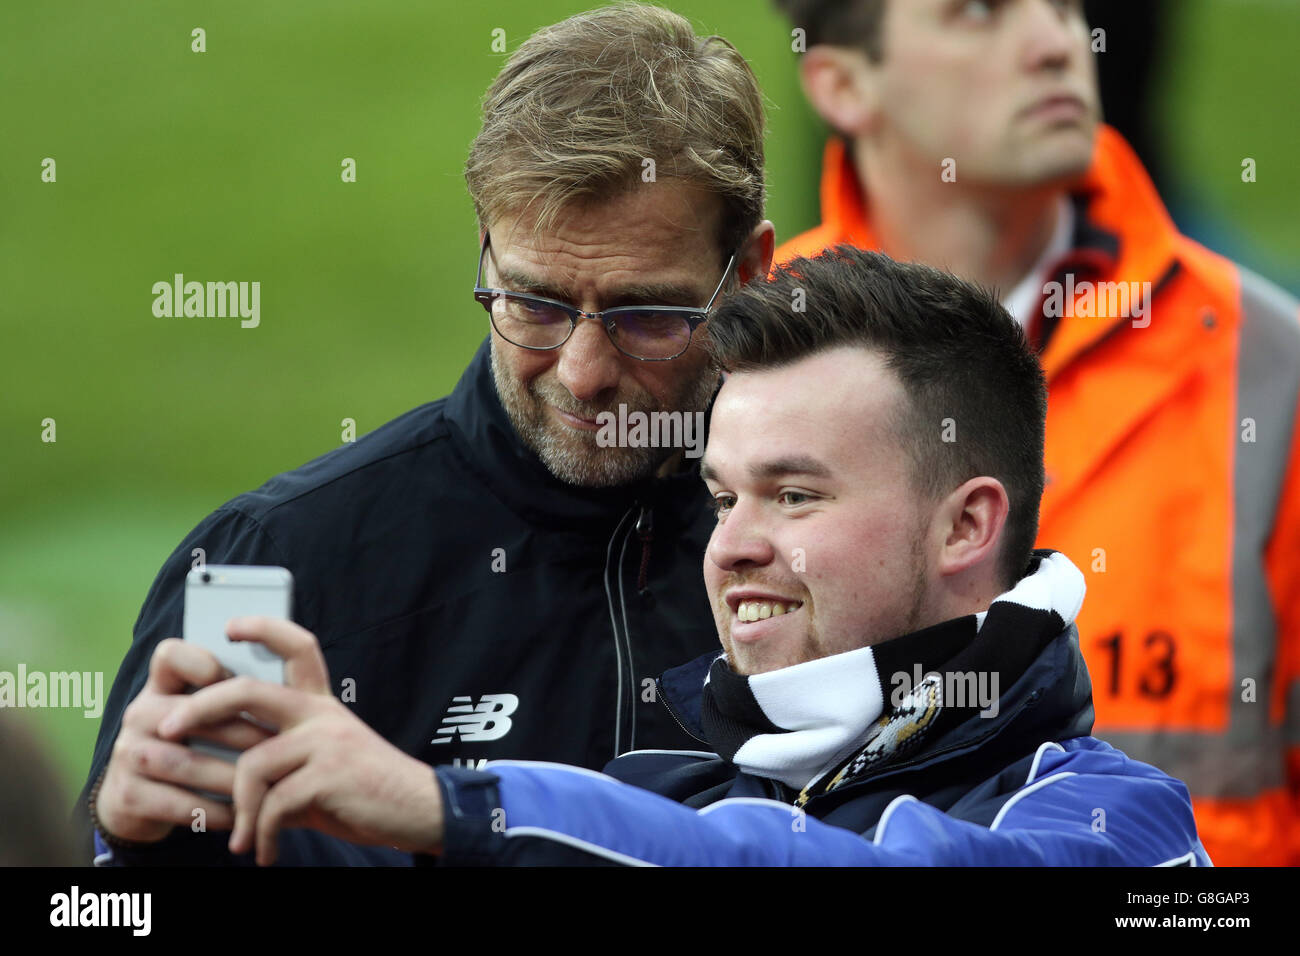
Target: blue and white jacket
[[934, 780]]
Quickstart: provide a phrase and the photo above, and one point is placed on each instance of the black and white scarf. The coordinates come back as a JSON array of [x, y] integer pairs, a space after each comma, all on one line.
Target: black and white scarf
[[838, 717]]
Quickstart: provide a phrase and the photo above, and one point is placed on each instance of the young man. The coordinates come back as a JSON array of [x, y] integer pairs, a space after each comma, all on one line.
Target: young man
[[900, 679], [968, 137], [488, 576]]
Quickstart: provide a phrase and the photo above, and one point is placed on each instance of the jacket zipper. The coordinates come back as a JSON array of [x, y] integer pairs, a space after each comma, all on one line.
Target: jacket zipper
[[614, 565], [663, 699], [625, 729], [645, 531], [631, 696]]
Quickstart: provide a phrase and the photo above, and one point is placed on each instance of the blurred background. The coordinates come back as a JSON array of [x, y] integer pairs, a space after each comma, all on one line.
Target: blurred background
[[225, 166]]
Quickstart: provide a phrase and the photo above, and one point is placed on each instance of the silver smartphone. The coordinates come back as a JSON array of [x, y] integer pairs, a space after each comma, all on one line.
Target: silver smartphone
[[213, 595], [216, 593]]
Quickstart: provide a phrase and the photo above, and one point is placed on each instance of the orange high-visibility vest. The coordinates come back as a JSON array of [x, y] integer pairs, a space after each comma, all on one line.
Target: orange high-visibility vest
[[1173, 481]]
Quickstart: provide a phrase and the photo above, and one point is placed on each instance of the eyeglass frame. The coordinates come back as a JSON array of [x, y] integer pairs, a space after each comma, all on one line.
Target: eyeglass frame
[[607, 317]]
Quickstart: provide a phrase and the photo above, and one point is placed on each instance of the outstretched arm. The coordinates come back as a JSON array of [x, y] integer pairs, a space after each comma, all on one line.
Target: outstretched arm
[[528, 813]]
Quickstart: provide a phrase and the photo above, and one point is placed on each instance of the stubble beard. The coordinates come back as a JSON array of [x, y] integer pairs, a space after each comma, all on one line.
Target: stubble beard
[[811, 646], [572, 455]]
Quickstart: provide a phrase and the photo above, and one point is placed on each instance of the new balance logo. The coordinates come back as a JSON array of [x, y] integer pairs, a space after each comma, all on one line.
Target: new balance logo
[[489, 719]]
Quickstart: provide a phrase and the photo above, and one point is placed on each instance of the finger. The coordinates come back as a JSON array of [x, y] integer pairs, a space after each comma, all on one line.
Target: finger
[[237, 734], [287, 801], [147, 711], [176, 665], [167, 762], [256, 772], [271, 704], [147, 799], [304, 664]]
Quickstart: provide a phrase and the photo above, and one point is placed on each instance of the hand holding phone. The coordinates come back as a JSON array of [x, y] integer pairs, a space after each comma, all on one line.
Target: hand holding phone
[[218, 592]]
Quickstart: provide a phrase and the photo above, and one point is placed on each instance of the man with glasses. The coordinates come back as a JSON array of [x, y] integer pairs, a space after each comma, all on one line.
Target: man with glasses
[[485, 578], [647, 333]]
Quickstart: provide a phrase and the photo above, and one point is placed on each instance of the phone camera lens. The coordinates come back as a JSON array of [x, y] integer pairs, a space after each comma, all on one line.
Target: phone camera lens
[[207, 578]]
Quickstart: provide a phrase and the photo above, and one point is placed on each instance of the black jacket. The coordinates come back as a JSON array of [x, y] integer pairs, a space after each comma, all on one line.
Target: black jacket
[[446, 573]]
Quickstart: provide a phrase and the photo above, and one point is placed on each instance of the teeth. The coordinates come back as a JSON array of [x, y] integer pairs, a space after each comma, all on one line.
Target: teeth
[[762, 610]]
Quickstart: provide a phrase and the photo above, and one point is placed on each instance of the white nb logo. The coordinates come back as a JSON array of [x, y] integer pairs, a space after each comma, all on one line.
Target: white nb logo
[[489, 719]]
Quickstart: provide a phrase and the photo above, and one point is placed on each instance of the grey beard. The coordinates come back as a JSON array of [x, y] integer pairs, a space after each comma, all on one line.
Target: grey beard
[[573, 456]]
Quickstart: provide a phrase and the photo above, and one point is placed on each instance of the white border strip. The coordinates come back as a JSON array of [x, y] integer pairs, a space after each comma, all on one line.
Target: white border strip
[[889, 812], [1038, 755], [592, 848], [786, 808], [1026, 791], [673, 753], [527, 764]]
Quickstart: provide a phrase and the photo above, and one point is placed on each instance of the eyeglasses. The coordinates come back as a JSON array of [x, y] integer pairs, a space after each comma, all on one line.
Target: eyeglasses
[[649, 333]]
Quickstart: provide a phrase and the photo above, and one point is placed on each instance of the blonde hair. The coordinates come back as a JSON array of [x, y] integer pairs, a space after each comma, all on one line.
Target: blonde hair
[[581, 105]]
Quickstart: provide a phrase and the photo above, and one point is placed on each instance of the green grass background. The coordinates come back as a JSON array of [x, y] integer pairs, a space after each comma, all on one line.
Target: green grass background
[[225, 165]]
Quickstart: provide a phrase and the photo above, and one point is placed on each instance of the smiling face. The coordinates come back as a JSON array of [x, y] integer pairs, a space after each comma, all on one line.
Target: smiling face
[[1007, 88], [652, 246], [817, 513]]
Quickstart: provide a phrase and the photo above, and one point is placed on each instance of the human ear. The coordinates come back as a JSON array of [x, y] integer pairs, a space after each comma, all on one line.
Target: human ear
[[842, 87], [756, 254], [971, 522]]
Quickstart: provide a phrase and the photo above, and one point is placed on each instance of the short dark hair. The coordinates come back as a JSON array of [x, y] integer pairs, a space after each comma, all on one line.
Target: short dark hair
[[839, 22], [955, 350]]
